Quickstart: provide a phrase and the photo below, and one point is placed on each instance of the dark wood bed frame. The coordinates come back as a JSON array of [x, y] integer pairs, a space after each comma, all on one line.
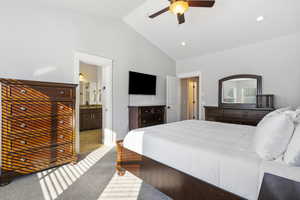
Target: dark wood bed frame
[[174, 183]]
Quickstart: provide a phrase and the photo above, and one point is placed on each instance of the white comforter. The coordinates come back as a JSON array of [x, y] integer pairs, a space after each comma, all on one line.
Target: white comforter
[[218, 153]]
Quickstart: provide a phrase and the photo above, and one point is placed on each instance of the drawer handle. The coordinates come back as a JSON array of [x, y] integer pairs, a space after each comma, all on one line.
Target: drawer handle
[[23, 142], [61, 107], [23, 108], [61, 121], [23, 159], [62, 92], [61, 150], [23, 91], [23, 125], [61, 136]]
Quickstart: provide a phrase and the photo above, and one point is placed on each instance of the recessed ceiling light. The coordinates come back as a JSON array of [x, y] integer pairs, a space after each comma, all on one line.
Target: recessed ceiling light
[[183, 43], [260, 18]]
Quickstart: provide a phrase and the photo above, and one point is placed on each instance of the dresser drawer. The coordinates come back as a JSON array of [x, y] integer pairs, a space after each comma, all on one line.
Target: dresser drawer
[[235, 113], [18, 92], [213, 112], [159, 110], [27, 141], [41, 109], [146, 110], [41, 124], [37, 159], [257, 114]]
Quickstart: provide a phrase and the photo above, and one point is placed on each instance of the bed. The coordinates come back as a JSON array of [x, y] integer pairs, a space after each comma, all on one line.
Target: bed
[[218, 154]]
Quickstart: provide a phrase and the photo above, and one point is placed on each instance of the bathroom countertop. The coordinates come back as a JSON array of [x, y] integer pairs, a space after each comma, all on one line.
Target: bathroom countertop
[[90, 106]]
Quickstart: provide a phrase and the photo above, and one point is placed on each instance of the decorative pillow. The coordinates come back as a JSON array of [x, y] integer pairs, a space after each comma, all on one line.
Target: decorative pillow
[[273, 113], [273, 135], [292, 154]]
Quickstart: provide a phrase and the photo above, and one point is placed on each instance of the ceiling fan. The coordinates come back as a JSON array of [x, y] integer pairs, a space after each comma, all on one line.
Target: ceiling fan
[[179, 7]]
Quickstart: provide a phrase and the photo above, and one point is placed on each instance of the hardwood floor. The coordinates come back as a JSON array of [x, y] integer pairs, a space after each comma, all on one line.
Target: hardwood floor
[[90, 140]]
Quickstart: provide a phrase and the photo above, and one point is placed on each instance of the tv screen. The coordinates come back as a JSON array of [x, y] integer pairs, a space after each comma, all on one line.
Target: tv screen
[[142, 84]]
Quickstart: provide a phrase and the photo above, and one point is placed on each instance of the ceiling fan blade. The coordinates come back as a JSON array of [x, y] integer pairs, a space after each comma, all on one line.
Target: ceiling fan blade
[[201, 3], [180, 18], [159, 12]]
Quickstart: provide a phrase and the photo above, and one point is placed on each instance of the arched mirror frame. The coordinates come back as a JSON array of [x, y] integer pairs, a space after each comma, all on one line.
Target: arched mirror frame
[[239, 105]]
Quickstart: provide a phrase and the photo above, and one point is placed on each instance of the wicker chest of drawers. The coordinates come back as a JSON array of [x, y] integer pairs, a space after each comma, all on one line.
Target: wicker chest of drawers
[[37, 126]]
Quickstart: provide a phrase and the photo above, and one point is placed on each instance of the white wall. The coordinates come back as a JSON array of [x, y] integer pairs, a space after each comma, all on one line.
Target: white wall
[[38, 43], [276, 60]]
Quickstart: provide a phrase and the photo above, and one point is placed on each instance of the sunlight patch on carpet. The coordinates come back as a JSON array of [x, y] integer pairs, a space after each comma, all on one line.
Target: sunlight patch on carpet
[[125, 187], [55, 181]]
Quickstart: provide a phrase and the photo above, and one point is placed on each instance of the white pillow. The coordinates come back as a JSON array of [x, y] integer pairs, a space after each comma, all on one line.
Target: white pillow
[[273, 113], [292, 154], [273, 135]]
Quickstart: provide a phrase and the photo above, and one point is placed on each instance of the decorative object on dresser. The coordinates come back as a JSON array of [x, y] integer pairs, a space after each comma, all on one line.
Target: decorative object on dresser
[[240, 101], [143, 116], [90, 117], [265, 101], [37, 126]]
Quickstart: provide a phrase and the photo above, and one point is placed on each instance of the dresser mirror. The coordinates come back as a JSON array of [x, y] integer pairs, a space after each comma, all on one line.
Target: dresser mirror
[[239, 91]]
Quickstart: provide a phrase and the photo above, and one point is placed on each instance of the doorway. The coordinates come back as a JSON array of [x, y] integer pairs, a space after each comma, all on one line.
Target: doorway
[[94, 102], [189, 98], [90, 113]]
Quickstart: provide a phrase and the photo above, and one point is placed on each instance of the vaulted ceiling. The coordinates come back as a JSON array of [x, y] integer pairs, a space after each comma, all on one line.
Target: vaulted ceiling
[[230, 24], [109, 8]]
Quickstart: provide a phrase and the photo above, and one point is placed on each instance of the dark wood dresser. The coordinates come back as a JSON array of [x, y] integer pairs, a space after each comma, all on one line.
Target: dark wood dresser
[[37, 127], [245, 116], [143, 116], [90, 118]]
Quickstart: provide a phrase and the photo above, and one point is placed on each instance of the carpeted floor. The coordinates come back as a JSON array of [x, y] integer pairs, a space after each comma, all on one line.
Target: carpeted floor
[[93, 178]]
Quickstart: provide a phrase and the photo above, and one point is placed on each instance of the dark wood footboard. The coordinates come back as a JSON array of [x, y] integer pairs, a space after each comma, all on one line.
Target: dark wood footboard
[[174, 183]]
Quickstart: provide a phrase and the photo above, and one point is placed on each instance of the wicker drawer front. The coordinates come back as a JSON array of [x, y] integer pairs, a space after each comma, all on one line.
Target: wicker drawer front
[[37, 159], [18, 92], [41, 140], [39, 108], [41, 124]]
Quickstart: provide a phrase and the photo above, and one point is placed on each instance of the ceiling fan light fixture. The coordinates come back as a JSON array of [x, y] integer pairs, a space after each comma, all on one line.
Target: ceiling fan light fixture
[[179, 7]]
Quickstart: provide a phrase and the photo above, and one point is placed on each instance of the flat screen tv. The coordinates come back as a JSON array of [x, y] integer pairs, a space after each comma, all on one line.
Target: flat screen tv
[[143, 84]]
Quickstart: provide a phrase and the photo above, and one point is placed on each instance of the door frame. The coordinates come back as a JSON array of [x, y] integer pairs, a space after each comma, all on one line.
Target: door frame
[[191, 75], [108, 137]]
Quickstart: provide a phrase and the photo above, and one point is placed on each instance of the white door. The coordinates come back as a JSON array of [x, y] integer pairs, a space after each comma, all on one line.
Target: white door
[[172, 99], [109, 136]]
